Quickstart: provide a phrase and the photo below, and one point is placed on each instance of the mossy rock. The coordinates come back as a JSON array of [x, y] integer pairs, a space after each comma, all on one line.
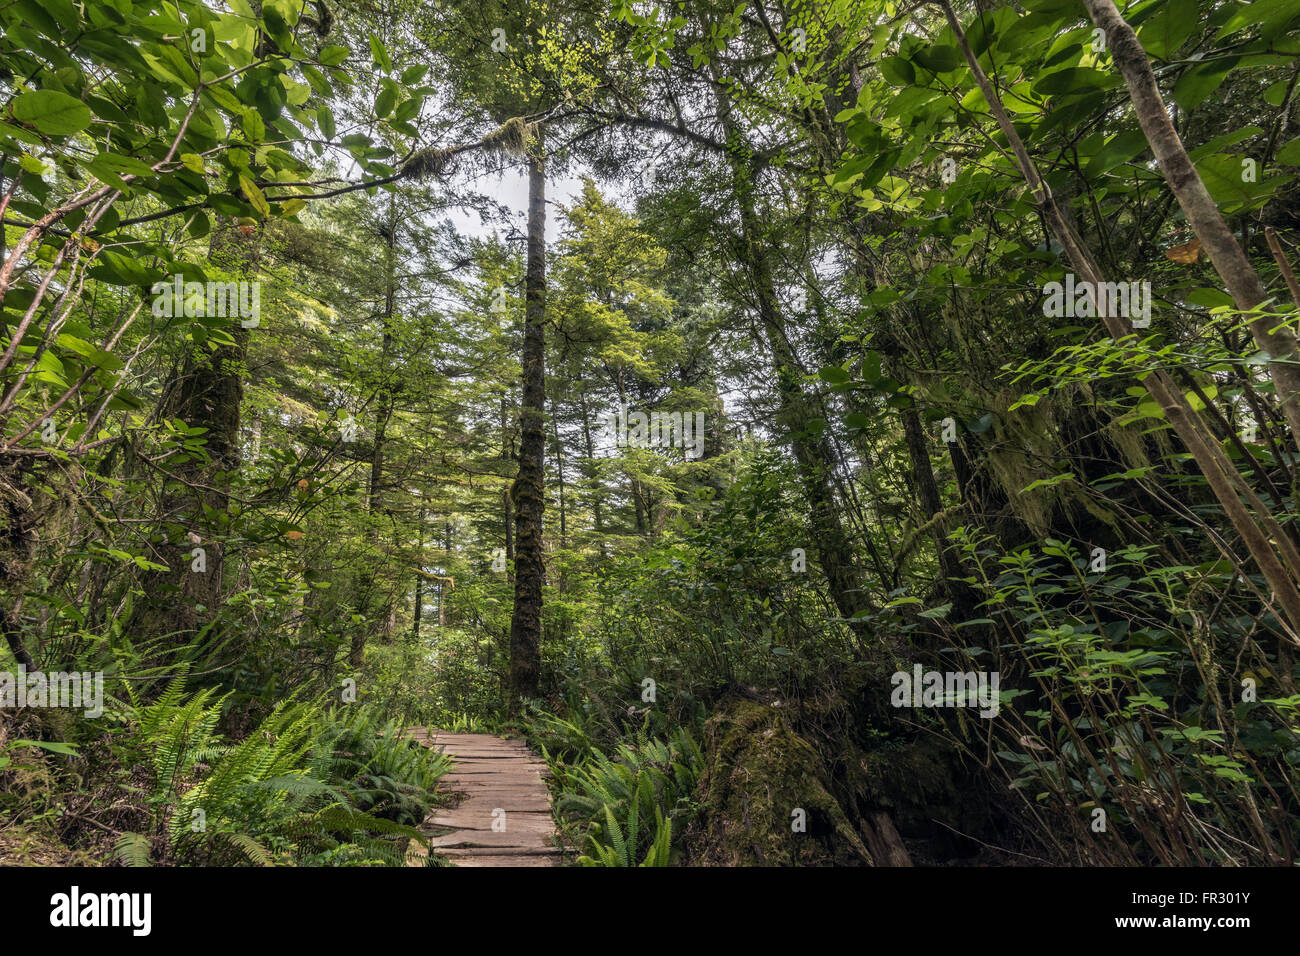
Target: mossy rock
[[758, 773]]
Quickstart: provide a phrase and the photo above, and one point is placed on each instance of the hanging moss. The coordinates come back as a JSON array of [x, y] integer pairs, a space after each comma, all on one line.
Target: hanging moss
[[759, 772], [511, 137], [426, 163]]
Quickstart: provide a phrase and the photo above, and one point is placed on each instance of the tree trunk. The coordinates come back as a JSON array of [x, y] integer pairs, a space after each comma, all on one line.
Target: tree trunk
[[417, 613], [927, 492], [593, 481], [812, 453], [559, 478], [509, 510], [365, 582], [442, 585], [255, 451], [1202, 213], [529, 487], [206, 394]]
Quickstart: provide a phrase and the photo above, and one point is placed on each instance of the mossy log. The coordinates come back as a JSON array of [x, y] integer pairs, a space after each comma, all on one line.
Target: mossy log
[[758, 776]]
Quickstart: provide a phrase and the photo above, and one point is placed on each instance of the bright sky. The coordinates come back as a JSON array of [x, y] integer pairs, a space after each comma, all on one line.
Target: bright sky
[[510, 188]]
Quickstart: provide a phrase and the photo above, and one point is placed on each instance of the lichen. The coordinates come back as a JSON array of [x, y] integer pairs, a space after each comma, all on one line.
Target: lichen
[[511, 137]]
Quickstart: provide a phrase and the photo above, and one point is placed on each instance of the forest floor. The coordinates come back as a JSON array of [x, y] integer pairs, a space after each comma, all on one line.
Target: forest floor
[[503, 813]]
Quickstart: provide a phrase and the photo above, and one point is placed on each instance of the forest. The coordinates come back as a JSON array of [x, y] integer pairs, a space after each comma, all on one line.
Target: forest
[[605, 433]]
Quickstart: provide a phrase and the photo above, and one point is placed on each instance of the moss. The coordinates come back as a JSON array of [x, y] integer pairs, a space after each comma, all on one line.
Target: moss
[[426, 163], [22, 847], [758, 772], [512, 138]]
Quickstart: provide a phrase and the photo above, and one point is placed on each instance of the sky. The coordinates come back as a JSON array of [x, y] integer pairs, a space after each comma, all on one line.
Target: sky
[[510, 188]]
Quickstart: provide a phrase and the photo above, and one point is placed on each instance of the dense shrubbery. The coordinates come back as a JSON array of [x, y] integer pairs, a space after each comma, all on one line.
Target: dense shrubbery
[[627, 807], [307, 786]]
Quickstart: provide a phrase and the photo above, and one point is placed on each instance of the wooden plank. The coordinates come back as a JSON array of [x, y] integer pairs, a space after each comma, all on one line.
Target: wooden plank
[[505, 860], [477, 838], [515, 822], [510, 803], [491, 774], [495, 851]]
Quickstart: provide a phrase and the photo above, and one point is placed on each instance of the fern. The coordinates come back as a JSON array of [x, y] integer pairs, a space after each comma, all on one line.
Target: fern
[[307, 784], [253, 851], [616, 797], [132, 849]]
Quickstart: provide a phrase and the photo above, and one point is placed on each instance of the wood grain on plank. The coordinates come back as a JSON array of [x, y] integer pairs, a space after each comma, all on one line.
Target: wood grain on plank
[[503, 813]]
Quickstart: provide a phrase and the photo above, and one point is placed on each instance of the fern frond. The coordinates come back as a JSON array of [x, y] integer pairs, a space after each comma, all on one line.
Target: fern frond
[[253, 851], [132, 849]]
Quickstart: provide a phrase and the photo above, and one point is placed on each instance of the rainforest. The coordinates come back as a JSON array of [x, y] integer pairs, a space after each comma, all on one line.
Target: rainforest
[[603, 434]]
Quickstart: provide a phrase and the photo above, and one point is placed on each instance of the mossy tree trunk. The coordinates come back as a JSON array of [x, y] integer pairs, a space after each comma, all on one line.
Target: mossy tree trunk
[[529, 486], [194, 505], [766, 797]]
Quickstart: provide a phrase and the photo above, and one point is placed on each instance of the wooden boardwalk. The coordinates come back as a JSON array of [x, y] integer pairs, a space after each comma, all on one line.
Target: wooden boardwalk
[[503, 817]]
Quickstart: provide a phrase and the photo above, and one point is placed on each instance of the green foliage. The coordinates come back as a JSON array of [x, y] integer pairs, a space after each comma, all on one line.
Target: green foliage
[[305, 786], [1119, 701], [798, 218], [631, 805]]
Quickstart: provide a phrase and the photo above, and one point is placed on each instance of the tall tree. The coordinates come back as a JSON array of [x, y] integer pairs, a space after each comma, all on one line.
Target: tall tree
[[528, 491]]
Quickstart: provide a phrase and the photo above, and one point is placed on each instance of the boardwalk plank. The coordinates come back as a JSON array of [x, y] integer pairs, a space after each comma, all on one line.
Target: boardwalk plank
[[490, 773]]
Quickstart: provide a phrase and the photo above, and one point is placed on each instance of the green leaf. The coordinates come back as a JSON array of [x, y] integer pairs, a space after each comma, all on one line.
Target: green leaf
[[938, 59], [871, 367], [33, 165], [1289, 155], [380, 54], [414, 74], [1194, 86], [897, 71], [51, 746], [118, 269], [1208, 299], [937, 613], [334, 55], [325, 120], [253, 126], [52, 112], [384, 101], [122, 165], [1120, 149], [1220, 143], [1273, 16], [1074, 80], [254, 195], [1169, 29], [1049, 482], [1223, 178]]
